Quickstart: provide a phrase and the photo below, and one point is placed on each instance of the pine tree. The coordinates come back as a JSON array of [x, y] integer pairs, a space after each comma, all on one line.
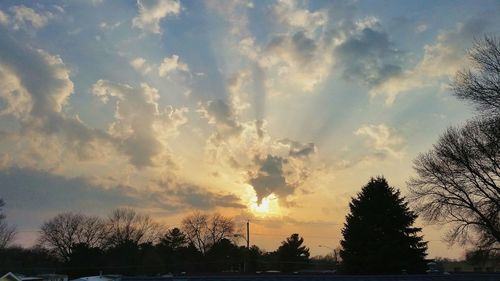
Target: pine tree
[[378, 233], [292, 254]]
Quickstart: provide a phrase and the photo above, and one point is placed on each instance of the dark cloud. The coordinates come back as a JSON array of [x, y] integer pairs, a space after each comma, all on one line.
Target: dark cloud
[[197, 197], [33, 196], [271, 178], [300, 48], [39, 191], [298, 149], [369, 56], [221, 115]]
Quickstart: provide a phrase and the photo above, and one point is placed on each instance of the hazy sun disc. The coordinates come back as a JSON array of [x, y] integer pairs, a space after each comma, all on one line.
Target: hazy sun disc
[[268, 207]]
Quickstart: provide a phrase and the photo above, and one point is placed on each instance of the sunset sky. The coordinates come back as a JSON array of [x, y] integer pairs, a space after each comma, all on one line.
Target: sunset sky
[[277, 112]]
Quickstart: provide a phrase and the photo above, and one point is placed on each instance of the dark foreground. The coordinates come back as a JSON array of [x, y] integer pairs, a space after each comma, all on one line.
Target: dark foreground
[[451, 277]]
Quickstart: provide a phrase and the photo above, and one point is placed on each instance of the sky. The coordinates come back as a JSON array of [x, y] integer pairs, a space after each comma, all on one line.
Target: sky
[[276, 112]]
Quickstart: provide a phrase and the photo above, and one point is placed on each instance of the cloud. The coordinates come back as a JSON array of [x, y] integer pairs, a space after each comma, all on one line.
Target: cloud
[[24, 17], [298, 149], [140, 127], [170, 65], [152, 12], [36, 88], [270, 167], [44, 192], [421, 28], [16, 99], [140, 65], [440, 60], [220, 114], [185, 196], [27, 191], [234, 12], [384, 140], [270, 178], [4, 18], [42, 75], [298, 59], [289, 13], [368, 55]]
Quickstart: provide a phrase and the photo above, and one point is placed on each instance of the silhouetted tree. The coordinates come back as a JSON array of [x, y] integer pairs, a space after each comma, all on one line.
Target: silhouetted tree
[[203, 230], [458, 181], [254, 257], [84, 260], [63, 232], [292, 255], [127, 226], [123, 258], [150, 261], [7, 232], [481, 84], [224, 256], [174, 239], [378, 236], [29, 261], [173, 250]]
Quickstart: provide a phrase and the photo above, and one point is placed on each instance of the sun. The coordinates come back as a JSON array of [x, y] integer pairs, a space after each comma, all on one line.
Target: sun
[[268, 207]]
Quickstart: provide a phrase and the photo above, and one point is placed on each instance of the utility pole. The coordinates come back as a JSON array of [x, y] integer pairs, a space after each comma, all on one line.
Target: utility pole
[[248, 234]]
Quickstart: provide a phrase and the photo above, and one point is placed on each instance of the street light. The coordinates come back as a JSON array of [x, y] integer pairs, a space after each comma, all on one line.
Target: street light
[[335, 253]]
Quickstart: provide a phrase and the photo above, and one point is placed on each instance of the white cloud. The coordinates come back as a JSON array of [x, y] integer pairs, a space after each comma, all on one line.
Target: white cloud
[[23, 17], [140, 65], [15, 97], [298, 60], [4, 18], [440, 60], [289, 13], [152, 12], [141, 128], [42, 75], [421, 28], [37, 87], [109, 26], [171, 64], [383, 139]]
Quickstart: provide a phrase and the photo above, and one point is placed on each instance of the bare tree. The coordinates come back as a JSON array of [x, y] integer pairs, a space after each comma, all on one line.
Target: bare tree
[[204, 231], [7, 232], [458, 182], [481, 84], [125, 225], [63, 232]]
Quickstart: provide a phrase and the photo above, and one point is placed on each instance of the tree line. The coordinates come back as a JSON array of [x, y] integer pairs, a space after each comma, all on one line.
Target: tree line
[[457, 182], [130, 243]]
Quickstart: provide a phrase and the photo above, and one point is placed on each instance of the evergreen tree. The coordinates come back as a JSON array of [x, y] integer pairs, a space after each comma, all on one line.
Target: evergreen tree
[[292, 255], [174, 239], [378, 233]]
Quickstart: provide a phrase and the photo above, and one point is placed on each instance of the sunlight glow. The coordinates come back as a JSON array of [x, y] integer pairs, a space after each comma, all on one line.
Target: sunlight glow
[[269, 207]]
